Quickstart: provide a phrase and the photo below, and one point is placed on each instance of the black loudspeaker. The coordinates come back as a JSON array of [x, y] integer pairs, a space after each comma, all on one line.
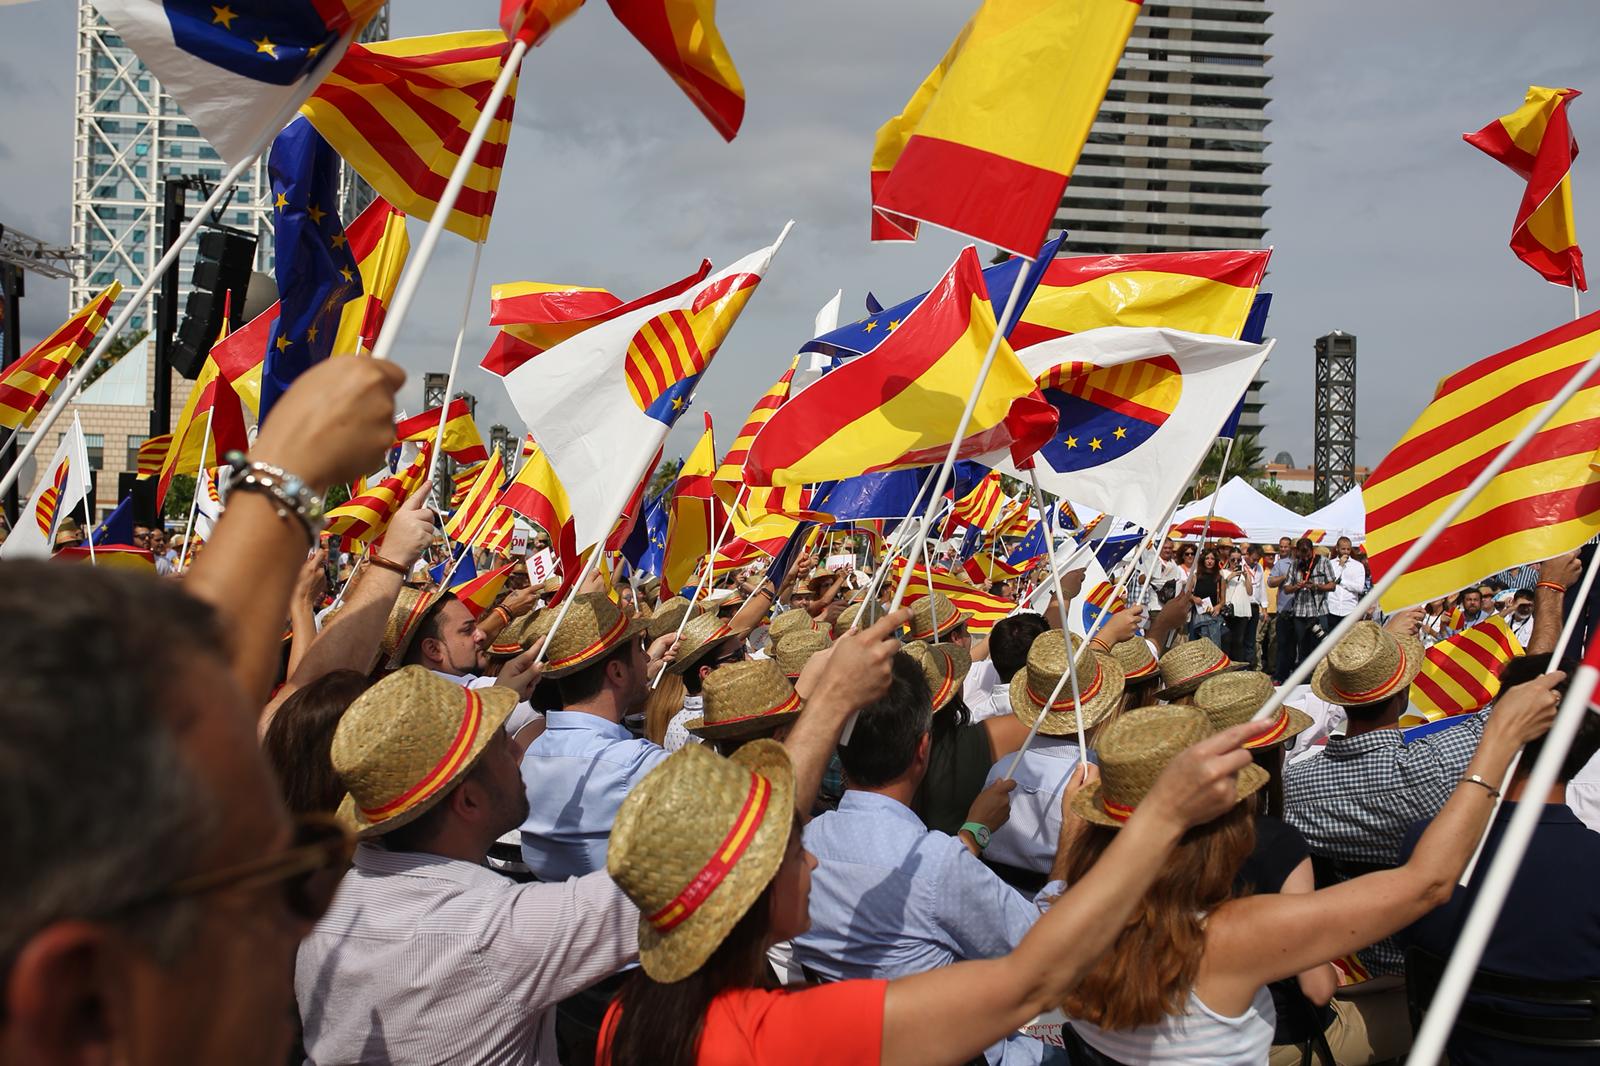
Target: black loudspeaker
[[143, 493], [221, 266]]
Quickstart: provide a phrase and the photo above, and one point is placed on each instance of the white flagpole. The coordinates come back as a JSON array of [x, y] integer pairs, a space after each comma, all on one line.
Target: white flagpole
[[82, 458], [1066, 633], [1429, 535], [455, 363], [135, 303], [194, 502], [1222, 472], [411, 277], [711, 564]]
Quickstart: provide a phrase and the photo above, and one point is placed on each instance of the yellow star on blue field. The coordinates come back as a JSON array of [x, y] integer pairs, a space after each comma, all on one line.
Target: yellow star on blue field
[[311, 333], [345, 273], [338, 240], [316, 214], [1094, 444], [223, 16], [1120, 432], [266, 45], [894, 324], [1072, 442], [280, 203], [677, 403], [870, 326], [282, 342]]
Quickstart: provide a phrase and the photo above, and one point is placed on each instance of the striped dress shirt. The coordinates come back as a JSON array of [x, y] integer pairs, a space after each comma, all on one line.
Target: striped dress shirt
[[424, 959]]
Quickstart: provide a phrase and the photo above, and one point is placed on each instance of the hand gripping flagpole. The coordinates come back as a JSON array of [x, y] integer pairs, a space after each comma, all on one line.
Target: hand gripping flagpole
[[1431, 534], [411, 277], [1458, 972], [135, 302]]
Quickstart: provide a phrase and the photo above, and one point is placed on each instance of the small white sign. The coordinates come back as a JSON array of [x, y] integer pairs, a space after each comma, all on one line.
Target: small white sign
[[541, 567], [519, 541]]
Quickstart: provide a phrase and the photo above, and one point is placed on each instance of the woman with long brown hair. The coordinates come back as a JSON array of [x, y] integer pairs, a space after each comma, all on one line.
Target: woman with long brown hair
[[1185, 980]]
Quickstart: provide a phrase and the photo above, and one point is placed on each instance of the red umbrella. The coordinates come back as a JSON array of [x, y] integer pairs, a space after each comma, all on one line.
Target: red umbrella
[[1220, 527]]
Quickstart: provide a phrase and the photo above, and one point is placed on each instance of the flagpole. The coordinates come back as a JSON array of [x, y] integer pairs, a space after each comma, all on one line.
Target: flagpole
[[711, 564], [1431, 534], [966, 415], [411, 277], [194, 502], [135, 303], [891, 548], [1222, 472], [1474, 937], [455, 363], [83, 461], [1066, 628]]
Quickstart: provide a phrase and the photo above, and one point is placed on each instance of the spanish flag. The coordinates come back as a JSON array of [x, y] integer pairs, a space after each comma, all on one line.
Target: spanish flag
[[1546, 503], [1536, 142], [1461, 674], [900, 405], [27, 384], [697, 516], [212, 425], [400, 113], [462, 441], [478, 592], [683, 37], [379, 242], [537, 495], [986, 143]]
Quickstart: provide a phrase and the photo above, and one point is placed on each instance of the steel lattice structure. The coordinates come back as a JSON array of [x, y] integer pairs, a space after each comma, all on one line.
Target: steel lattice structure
[[1334, 461]]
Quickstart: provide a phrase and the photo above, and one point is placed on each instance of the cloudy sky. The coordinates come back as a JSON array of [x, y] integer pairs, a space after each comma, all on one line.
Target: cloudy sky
[[1386, 225]]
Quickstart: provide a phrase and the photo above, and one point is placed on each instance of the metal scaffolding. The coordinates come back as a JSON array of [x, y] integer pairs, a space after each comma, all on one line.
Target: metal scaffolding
[[1334, 461]]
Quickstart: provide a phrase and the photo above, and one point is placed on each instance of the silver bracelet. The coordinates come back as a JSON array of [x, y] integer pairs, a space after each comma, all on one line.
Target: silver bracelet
[[292, 495]]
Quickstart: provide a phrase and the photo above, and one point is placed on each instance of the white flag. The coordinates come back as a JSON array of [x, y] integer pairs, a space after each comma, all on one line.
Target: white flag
[[62, 488]]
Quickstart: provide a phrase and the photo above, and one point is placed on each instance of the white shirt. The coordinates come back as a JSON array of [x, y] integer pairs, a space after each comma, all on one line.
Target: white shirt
[[1029, 838], [1234, 594], [521, 714], [677, 735], [1349, 583], [978, 691], [1197, 1037], [1583, 793], [1258, 584], [1522, 627]]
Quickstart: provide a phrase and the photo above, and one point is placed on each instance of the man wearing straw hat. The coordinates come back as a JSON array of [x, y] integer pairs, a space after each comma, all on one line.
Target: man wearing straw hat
[[707, 643], [433, 781]]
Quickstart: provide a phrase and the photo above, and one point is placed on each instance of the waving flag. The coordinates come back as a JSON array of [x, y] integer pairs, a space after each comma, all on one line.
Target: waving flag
[[900, 406], [63, 486], [1136, 406], [732, 469], [496, 535], [1199, 292], [647, 544], [697, 517], [379, 243], [364, 517], [985, 569], [537, 495], [27, 385], [469, 518], [462, 481], [478, 592], [888, 495], [233, 67], [1536, 142], [986, 608], [534, 316], [316, 272], [152, 454], [986, 143], [400, 112], [1546, 503], [533, 20], [602, 402], [212, 425], [979, 507], [1461, 674], [1033, 547], [682, 35], [465, 570], [462, 442]]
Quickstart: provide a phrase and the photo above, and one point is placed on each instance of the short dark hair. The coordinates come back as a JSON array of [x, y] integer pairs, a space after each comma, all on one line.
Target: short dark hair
[[1522, 594], [889, 729], [1305, 542], [1371, 712], [1587, 741], [1010, 640], [427, 629], [587, 683], [299, 738]]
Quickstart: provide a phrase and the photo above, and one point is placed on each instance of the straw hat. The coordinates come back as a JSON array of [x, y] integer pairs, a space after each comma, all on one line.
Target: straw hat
[[695, 844], [1134, 750], [665, 619], [1136, 659], [407, 740], [796, 649], [1233, 698], [869, 611], [703, 635], [745, 699], [1100, 686], [789, 622], [520, 634], [923, 616], [410, 607], [1188, 664], [1368, 665], [593, 627], [945, 666]]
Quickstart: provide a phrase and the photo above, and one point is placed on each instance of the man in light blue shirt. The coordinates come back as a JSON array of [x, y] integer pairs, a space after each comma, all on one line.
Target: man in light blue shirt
[[889, 897]]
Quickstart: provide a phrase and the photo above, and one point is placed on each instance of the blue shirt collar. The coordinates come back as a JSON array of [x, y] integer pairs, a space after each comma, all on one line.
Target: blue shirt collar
[[583, 721], [878, 804]]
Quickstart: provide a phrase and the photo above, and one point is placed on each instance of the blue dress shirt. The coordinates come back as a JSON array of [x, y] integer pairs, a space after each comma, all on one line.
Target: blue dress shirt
[[577, 773], [890, 897], [1028, 839]]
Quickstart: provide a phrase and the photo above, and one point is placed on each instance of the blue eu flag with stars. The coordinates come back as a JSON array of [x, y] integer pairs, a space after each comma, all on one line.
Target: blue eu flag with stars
[[317, 274]]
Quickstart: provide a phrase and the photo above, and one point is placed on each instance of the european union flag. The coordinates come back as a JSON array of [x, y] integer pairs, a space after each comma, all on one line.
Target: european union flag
[[971, 541], [1032, 546], [886, 495], [646, 545], [859, 338], [317, 273], [118, 525], [276, 42]]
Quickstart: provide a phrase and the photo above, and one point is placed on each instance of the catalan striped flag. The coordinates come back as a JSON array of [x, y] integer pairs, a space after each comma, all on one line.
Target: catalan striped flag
[[44, 511], [468, 518], [495, 536], [1536, 142], [400, 113], [1461, 674], [152, 454], [980, 507], [363, 518], [1546, 503], [985, 568], [462, 441], [986, 609], [899, 406], [683, 37], [27, 384], [986, 143], [1200, 292], [1014, 520], [697, 516], [461, 481], [732, 469], [536, 493], [479, 591]]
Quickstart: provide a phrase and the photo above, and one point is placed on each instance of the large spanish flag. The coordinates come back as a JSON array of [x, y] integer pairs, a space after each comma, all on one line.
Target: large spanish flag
[[900, 405], [27, 384], [1545, 503], [683, 37], [400, 113], [1199, 292], [1536, 141], [986, 143]]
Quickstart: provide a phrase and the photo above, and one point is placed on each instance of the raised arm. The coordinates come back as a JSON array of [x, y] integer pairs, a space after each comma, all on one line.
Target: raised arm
[[1549, 597], [950, 1014]]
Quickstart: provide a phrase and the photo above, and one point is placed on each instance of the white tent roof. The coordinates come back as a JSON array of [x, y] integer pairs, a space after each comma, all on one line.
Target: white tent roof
[[1344, 517], [1240, 503]]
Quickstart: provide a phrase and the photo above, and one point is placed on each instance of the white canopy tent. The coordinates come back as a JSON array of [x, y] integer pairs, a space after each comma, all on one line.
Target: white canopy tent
[[1240, 503], [1344, 517]]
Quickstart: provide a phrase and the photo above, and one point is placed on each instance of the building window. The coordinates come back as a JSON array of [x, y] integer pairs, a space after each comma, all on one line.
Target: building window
[[95, 445], [134, 440]]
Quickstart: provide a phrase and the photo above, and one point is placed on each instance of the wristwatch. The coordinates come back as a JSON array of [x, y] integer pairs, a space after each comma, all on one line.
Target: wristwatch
[[980, 833]]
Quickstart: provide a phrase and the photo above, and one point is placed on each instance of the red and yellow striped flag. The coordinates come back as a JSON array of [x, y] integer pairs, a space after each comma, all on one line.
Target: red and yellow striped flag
[[985, 569], [533, 20], [366, 515], [44, 512], [1461, 674], [211, 425], [1546, 503], [469, 518], [152, 454], [479, 593], [731, 470], [461, 481], [537, 495], [400, 113], [462, 441], [27, 384], [682, 35], [1536, 141], [380, 245], [986, 609], [979, 507], [495, 536]]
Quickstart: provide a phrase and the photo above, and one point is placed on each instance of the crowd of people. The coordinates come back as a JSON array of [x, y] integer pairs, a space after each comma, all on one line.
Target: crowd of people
[[772, 824]]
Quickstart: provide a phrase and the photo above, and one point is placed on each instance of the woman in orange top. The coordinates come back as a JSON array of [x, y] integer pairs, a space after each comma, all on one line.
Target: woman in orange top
[[710, 850]]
